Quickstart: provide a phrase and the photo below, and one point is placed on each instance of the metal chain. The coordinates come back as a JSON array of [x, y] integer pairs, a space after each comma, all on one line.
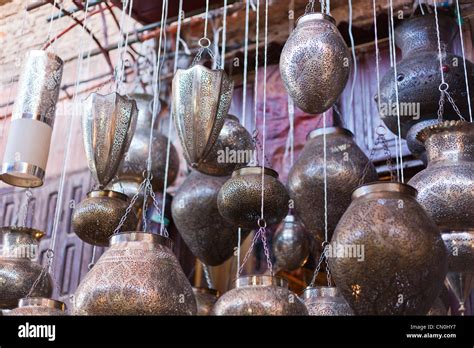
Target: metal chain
[[310, 7], [380, 131], [207, 275], [44, 271], [129, 208], [266, 250], [23, 211], [249, 252], [258, 147], [318, 267]]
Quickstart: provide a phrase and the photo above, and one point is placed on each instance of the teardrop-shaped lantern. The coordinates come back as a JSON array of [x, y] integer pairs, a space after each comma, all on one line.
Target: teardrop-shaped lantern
[[386, 255], [131, 169], [240, 198], [315, 63], [108, 125], [291, 244], [201, 101], [38, 306], [233, 149], [346, 164], [137, 275], [325, 301], [259, 295], [194, 209]]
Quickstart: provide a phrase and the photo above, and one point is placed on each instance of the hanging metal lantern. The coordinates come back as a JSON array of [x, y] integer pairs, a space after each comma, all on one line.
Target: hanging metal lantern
[[315, 63], [24, 162], [201, 100], [195, 214], [205, 300], [260, 295], [460, 247], [346, 164], [446, 186], [401, 268], [38, 306], [108, 125], [239, 200], [291, 244], [95, 218], [137, 275], [325, 301], [134, 164], [233, 149], [419, 75], [17, 270]]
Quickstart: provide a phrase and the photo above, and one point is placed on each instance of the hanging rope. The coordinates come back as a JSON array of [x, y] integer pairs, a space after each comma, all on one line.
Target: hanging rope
[[261, 232], [289, 146], [57, 214], [224, 34], [395, 75], [17, 65], [381, 130], [354, 58], [464, 60], [50, 26], [168, 145], [244, 109]]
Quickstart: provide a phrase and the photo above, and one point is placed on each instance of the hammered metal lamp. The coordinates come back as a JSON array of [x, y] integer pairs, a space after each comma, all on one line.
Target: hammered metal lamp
[[29, 138]]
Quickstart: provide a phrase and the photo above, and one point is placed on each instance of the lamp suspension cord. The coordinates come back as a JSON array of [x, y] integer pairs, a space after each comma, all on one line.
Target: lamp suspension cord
[[395, 76], [62, 180], [170, 122], [224, 34], [244, 109], [458, 10]]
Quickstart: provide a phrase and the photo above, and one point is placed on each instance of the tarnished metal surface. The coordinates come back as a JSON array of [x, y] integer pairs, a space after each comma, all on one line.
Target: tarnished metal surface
[[345, 165], [404, 260], [24, 162], [137, 275], [325, 301], [416, 147], [17, 271], [205, 300], [460, 247], [38, 306], [315, 63], [239, 200], [232, 150], [108, 125], [419, 73], [291, 244], [259, 295], [201, 101], [38, 87], [446, 186], [135, 161], [195, 214], [97, 216]]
